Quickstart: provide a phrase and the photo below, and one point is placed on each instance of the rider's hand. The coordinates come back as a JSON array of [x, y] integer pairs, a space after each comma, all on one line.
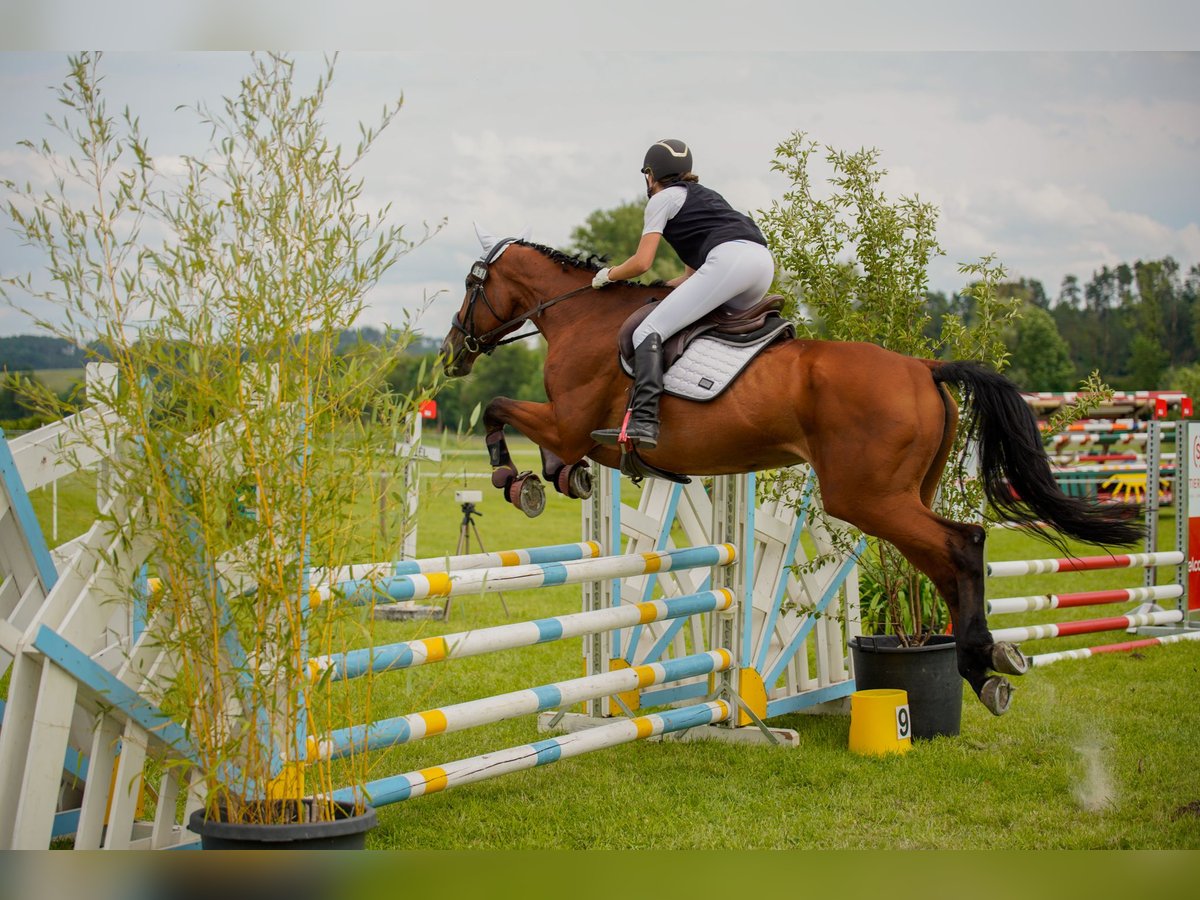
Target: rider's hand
[[601, 279]]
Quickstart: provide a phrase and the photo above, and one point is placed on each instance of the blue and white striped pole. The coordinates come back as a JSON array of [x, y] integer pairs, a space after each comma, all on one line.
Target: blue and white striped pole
[[529, 756], [407, 654], [500, 558], [477, 581], [488, 710]]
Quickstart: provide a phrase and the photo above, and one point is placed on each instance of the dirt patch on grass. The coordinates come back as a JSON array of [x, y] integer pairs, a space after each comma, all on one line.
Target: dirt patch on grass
[[1188, 809]]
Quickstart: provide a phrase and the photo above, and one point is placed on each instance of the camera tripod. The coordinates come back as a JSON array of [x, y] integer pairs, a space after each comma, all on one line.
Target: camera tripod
[[466, 528]]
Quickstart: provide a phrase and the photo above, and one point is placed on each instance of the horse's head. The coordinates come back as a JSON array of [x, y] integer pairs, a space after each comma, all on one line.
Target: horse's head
[[487, 310]]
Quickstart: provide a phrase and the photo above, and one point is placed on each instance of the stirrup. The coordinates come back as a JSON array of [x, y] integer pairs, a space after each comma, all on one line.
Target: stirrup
[[621, 436]]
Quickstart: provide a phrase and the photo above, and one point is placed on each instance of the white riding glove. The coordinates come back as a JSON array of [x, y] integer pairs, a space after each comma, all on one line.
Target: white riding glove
[[601, 279]]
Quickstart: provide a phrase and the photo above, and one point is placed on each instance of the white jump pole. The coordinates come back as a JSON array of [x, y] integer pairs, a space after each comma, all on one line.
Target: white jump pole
[[489, 710], [541, 753], [404, 655], [481, 581]]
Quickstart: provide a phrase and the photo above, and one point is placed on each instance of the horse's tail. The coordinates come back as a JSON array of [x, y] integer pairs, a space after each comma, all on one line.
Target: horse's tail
[[1016, 473]]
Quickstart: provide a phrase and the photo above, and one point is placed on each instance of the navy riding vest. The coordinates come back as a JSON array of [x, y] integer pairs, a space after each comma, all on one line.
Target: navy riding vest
[[705, 220]]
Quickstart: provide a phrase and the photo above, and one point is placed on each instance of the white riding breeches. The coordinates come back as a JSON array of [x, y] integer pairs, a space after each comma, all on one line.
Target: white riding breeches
[[736, 273]]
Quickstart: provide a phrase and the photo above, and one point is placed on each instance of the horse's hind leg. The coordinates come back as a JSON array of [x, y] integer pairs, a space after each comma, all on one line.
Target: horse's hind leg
[[951, 554], [933, 475], [962, 588], [1005, 657]]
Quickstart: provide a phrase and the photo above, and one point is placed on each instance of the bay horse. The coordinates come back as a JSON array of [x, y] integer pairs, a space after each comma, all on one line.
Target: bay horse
[[876, 427]]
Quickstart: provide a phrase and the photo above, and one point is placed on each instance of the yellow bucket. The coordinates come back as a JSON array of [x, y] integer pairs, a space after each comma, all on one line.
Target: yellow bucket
[[880, 722]]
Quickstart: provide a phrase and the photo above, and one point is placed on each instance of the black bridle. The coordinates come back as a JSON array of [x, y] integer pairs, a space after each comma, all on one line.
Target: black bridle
[[476, 277]]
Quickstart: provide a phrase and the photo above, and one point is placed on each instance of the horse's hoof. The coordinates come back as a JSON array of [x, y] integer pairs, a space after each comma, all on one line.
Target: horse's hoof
[[527, 494], [996, 695], [575, 481], [1009, 659]]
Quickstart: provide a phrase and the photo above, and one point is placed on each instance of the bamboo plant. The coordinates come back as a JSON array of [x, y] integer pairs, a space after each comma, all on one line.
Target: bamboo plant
[[245, 440]]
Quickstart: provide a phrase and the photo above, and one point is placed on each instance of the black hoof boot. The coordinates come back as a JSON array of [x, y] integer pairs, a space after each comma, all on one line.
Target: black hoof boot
[[574, 481], [527, 494]]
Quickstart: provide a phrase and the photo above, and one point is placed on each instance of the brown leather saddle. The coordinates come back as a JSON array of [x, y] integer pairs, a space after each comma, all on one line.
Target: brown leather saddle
[[731, 326]]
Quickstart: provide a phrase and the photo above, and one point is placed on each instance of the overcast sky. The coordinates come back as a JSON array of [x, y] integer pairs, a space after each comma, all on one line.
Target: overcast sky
[[1058, 160]]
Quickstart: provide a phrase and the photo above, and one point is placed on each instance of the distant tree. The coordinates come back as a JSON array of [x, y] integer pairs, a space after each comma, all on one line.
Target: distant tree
[[1148, 362], [614, 233], [1184, 378], [1148, 354], [1028, 290], [1166, 306], [1069, 294], [35, 352], [1041, 359], [515, 371]]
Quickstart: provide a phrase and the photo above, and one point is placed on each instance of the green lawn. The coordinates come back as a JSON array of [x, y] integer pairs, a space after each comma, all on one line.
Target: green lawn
[[1094, 754]]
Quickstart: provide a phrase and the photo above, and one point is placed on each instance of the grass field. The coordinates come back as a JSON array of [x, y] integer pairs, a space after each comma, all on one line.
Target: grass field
[[1093, 754], [59, 380]]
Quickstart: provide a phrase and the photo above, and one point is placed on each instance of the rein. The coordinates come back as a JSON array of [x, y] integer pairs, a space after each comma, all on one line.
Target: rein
[[521, 319], [483, 343]]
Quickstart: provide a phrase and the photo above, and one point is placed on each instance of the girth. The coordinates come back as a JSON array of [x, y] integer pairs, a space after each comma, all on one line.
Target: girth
[[733, 326]]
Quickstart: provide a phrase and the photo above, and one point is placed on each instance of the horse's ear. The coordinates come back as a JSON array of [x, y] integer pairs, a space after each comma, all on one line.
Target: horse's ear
[[526, 234], [487, 240]]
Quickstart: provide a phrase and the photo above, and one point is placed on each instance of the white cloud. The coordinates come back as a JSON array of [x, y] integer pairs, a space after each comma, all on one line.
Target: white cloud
[[1057, 162]]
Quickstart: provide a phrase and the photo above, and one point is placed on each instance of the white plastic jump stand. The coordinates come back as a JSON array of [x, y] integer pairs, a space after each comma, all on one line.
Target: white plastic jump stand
[[75, 699], [414, 451], [1187, 524], [1187, 505], [1167, 612], [780, 627]]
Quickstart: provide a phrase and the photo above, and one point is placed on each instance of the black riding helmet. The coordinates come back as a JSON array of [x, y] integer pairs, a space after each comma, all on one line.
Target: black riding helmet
[[667, 157]]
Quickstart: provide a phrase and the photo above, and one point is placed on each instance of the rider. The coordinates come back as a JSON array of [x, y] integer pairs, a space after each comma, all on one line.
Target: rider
[[726, 262]]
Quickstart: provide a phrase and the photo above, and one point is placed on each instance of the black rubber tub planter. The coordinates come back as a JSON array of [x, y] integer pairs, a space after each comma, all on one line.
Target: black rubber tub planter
[[294, 829], [928, 673]]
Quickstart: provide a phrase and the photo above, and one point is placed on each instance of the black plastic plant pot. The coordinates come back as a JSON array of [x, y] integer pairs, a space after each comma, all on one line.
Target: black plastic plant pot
[[294, 830], [929, 674]]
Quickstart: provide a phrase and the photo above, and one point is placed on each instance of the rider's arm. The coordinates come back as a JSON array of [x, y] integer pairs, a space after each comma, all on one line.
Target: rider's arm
[[640, 262], [688, 272]]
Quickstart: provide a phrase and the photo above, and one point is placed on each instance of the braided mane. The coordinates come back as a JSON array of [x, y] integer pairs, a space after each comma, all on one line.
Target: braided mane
[[589, 263]]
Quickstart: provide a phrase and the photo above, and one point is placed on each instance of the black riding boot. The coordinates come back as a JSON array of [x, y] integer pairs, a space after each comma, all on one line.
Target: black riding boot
[[642, 428]]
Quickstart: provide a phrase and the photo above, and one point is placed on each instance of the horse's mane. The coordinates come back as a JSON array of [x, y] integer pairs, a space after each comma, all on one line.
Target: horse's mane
[[589, 262]]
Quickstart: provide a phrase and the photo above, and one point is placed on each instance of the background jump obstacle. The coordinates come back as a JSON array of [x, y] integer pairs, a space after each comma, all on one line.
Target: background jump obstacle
[[1165, 612]]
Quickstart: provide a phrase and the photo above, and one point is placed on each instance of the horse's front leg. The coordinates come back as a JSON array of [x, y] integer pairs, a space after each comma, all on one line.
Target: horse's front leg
[[537, 421]]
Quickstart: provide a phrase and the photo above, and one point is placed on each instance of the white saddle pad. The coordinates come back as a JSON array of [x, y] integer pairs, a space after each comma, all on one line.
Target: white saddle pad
[[708, 366]]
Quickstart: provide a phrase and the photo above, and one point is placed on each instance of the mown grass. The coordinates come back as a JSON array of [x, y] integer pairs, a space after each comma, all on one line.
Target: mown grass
[[1095, 754]]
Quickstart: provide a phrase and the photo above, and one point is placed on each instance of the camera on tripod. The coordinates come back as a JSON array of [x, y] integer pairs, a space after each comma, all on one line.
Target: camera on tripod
[[467, 527]]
